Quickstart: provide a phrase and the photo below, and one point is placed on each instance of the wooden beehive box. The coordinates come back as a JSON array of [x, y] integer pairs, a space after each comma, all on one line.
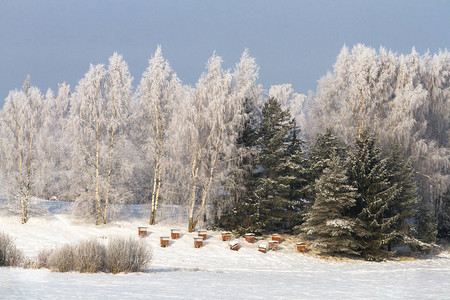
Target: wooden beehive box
[[198, 242], [165, 241], [175, 234], [262, 247], [273, 245], [250, 237], [142, 231], [226, 236], [234, 245], [203, 234], [301, 247], [276, 237]]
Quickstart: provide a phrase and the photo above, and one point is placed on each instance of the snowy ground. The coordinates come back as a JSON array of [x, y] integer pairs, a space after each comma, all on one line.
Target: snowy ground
[[182, 271]]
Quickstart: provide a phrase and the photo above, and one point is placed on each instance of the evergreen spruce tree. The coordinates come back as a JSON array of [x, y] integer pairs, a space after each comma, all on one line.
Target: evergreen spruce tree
[[444, 218], [328, 223], [276, 169], [320, 152], [374, 229], [293, 181], [426, 224], [403, 206]]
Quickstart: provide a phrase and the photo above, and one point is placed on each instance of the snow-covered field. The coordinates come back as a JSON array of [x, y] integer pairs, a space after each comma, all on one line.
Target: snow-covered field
[[212, 272]]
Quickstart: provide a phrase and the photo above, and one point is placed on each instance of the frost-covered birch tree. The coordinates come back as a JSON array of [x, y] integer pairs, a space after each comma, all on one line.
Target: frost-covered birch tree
[[158, 93], [21, 122], [89, 128], [98, 115], [53, 147], [118, 94], [210, 125]]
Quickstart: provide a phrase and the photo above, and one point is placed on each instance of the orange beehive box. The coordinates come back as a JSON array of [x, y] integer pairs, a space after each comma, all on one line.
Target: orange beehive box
[[175, 234], [203, 234], [164, 241], [198, 242], [262, 248], [273, 245], [142, 231], [226, 236], [250, 237], [276, 237], [301, 247], [234, 245]]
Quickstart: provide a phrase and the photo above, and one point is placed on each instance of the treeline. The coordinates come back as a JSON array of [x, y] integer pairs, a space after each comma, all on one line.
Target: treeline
[[363, 160]]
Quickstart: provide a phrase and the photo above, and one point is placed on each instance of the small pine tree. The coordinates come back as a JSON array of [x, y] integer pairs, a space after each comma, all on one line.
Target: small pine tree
[[328, 223], [367, 171]]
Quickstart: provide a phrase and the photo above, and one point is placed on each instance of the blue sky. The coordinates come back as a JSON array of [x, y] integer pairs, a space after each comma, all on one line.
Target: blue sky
[[293, 41]]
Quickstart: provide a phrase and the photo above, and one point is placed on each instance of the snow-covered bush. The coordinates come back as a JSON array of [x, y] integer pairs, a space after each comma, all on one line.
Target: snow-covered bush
[[9, 254], [128, 255], [62, 259], [90, 256]]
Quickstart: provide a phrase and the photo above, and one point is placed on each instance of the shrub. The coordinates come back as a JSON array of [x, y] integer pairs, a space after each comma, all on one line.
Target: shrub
[[128, 255], [62, 259], [42, 259], [90, 257], [9, 254]]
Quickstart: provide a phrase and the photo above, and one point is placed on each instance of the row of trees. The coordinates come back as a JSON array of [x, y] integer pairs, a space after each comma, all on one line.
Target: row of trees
[[229, 146]]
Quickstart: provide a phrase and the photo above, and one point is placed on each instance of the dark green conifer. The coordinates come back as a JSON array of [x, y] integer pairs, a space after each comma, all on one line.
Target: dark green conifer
[[367, 171], [328, 223]]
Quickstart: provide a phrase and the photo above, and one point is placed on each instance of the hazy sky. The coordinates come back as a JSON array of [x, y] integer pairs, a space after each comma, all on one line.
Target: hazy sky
[[293, 41]]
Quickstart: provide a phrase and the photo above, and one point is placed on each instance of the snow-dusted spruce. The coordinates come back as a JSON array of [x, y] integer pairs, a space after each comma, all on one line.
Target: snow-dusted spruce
[[322, 148], [328, 223], [158, 94], [375, 228], [280, 172], [20, 125], [404, 204]]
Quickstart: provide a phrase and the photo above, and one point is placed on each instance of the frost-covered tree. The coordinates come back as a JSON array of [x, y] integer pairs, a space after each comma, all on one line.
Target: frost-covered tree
[[98, 116], [21, 122], [288, 99], [158, 94], [210, 121], [374, 229], [118, 94], [400, 99], [53, 146], [89, 128], [248, 95], [328, 223]]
